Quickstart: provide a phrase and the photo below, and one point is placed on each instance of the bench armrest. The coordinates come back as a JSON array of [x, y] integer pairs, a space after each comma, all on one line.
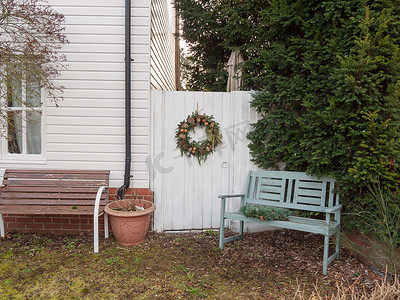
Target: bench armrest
[[231, 196], [333, 209], [97, 200], [223, 202]]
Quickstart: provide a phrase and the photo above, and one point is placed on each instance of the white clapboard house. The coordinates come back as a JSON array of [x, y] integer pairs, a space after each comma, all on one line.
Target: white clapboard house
[[87, 130]]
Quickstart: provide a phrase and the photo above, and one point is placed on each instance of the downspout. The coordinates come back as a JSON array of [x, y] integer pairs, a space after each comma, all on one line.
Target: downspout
[[177, 54], [128, 157]]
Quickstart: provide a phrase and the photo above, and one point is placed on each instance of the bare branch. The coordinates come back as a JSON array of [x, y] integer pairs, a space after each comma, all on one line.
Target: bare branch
[[31, 36]]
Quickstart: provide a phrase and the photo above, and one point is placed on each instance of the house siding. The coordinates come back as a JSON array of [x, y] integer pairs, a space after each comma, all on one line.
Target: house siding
[[162, 46], [87, 130]]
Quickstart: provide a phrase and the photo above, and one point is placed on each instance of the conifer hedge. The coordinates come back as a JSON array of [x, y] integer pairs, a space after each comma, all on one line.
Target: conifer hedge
[[327, 82], [331, 91]]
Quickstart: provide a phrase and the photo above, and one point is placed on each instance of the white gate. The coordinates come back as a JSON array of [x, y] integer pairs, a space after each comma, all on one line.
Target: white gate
[[186, 192]]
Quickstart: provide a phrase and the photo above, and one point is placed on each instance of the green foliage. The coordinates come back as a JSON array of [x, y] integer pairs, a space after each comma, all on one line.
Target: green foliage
[[211, 30], [245, 30], [375, 159], [383, 220], [204, 65], [265, 213], [330, 100], [327, 76]]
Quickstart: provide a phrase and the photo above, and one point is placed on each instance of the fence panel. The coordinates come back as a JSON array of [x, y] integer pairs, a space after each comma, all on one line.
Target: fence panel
[[186, 192]]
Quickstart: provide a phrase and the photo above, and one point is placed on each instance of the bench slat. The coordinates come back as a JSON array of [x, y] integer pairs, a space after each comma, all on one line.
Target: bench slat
[[324, 200], [46, 201], [290, 175], [49, 210], [311, 193], [72, 196], [21, 172], [270, 196], [49, 201], [296, 223], [332, 201], [308, 200], [59, 175], [50, 183], [270, 189], [288, 198], [64, 171], [253, 180], [306, 184], [315, 208], [272, 181], [52, 189], [43, 176]]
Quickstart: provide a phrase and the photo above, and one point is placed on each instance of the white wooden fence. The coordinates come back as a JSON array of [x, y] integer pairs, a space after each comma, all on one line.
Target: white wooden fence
[[186, 192]]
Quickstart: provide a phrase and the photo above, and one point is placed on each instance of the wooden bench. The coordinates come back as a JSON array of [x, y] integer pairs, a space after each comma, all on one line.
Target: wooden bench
[[56, 192], [294, 191]]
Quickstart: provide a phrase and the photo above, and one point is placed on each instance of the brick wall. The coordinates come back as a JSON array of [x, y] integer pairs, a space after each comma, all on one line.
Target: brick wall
[[67, 224]]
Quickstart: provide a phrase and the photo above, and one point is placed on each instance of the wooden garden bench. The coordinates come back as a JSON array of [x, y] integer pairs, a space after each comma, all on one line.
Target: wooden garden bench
[[294, 191], [56, 192]]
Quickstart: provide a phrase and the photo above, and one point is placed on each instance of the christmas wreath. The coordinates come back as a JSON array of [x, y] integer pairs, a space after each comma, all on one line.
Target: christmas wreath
[[199, 149]]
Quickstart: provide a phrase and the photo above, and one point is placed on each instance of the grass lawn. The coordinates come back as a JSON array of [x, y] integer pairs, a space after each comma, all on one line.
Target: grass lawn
[[267, 265]]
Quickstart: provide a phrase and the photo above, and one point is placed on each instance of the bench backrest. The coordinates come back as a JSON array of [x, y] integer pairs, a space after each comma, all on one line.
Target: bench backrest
[[294, 190], [53, 187]]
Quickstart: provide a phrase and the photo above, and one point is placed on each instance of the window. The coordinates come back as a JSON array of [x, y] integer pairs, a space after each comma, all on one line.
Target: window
[[23, 111]]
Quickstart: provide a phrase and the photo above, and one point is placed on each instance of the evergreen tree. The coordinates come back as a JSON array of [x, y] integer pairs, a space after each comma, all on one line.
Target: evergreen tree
[[204, 66], [211, 30], [327, 73], [330, 102]]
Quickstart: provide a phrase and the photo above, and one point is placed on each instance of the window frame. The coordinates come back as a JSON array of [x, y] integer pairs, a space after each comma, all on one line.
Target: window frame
[[5, 155]]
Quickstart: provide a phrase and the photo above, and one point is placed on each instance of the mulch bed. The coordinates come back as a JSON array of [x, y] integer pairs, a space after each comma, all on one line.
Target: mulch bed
[[267, 259], [273, 256], [299, 254]]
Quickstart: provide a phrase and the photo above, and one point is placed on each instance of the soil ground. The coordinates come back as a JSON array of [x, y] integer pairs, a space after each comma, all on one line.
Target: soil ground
[[265, 265]]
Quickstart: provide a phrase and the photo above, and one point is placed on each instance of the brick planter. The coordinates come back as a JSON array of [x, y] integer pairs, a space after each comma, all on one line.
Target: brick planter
[[59, 224]]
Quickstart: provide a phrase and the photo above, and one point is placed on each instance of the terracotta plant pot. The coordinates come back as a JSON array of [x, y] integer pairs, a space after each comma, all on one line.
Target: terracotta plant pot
[[130, 227]]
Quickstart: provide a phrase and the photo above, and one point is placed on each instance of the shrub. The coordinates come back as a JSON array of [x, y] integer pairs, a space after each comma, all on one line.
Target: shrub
[[382, 220], [265, 213], [330, 103]]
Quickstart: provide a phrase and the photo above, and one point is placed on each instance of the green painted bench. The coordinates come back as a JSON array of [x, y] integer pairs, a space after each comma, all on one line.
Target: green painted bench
[[294, 191]]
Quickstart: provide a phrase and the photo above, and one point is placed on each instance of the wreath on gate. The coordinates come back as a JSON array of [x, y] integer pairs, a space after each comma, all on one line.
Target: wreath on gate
[[198, 149]]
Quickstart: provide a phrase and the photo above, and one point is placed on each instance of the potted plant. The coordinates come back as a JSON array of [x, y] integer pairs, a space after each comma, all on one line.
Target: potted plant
[[130, 219]]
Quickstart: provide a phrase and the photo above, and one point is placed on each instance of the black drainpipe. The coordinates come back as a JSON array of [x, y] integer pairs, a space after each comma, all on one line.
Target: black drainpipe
[[128, 158]]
